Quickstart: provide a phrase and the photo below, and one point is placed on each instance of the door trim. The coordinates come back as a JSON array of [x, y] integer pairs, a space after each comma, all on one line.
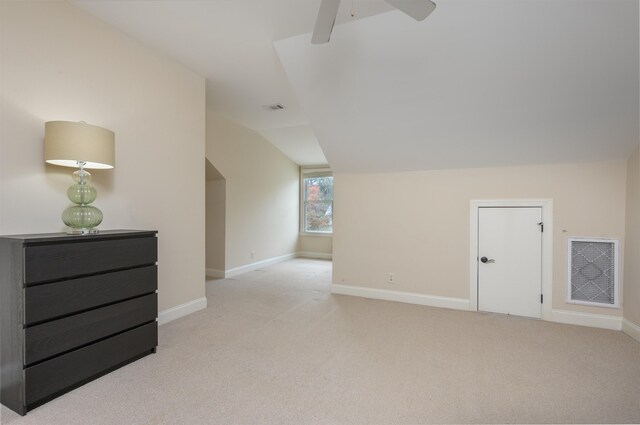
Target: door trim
[[547, 247]]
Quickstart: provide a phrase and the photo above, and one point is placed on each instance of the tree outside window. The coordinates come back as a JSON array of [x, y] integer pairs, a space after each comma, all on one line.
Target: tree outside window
[[318, 204]]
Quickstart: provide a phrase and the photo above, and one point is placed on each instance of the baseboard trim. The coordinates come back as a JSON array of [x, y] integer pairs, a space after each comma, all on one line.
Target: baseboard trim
[[631, 329], [316, 255], [258, 264], [587, 319], [214, 273], [403, 297], [173, 313]]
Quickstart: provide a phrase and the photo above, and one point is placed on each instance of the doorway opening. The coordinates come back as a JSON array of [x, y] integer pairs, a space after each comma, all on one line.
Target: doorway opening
[[215, 221], [510, 259]]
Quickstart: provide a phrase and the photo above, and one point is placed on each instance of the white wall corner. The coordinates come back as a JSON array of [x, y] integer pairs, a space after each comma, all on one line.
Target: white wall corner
[[316, 255], [403, 297], [218, 274], [587, 319], [173, 313], [254, 266], [631, 329]]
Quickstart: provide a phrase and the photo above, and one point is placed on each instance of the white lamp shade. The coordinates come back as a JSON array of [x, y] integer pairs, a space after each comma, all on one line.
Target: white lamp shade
[[66, 143]]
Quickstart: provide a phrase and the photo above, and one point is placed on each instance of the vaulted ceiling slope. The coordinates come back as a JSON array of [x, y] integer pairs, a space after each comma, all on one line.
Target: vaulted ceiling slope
[[478, 83], [230, 42]]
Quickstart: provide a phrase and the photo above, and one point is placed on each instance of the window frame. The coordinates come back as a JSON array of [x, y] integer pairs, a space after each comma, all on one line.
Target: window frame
[[309, 172]]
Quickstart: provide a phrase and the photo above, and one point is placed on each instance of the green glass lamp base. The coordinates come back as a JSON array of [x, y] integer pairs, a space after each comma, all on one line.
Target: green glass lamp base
[[82, 218]]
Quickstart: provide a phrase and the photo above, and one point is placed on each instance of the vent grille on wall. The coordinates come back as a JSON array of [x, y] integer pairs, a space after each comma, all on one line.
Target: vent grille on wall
[[593, 272]]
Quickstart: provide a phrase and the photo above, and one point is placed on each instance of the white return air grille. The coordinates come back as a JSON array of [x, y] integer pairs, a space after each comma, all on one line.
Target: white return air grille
[[593, 272]]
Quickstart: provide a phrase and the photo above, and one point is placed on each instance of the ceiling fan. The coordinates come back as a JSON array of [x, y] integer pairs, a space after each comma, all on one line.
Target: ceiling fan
[[417, 9]]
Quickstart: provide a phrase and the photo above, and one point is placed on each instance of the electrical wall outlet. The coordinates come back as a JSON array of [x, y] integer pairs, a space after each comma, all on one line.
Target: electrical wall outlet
[[391, 278], [253, 254]]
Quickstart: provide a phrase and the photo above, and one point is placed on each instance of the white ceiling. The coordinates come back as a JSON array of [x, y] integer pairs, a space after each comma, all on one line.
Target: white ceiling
[[230, 42], [478, 83], [299, 142]]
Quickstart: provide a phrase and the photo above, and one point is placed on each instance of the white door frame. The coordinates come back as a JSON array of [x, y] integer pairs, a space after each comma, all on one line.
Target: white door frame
[[547, 247]]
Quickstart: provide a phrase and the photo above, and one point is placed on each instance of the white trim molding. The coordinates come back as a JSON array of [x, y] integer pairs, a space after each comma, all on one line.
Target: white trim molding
[[258, 264], [173, 313], [547, 247], [223, 274], [317, 255], [631, 329], [403, 297], [587, 319], [219, 274], [316, 234]]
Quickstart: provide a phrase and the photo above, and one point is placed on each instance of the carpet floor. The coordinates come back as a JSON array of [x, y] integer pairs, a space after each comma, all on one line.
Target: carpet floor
[[275, 347]]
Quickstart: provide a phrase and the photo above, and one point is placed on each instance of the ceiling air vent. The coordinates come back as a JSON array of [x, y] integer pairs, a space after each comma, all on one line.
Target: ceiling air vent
[[274, 107]]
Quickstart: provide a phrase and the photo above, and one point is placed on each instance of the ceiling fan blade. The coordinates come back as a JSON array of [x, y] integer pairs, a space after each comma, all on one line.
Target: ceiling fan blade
[[324, 24], [417, 9]]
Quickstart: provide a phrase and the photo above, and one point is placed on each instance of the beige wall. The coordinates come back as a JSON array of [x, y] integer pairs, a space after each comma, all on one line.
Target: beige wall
[[261, 193], [215, 223], [632, 246], [417, 224], [58, 63], [315, 244]]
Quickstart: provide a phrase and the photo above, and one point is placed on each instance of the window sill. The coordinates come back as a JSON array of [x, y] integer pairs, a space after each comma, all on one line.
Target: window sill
[[322, 235]]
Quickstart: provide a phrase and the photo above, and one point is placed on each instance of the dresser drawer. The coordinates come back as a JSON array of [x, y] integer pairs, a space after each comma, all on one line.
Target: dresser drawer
[[49, 262], [51, 338], [50, 378], [51, 300]]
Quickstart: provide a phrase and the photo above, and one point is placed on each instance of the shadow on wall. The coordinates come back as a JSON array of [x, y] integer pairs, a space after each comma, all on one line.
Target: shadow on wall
[[33, 193], [215, 192]]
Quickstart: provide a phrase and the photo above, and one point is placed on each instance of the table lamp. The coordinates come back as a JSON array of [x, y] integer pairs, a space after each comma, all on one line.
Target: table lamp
[[85, 146]]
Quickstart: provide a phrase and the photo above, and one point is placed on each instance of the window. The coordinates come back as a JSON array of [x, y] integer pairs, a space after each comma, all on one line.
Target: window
[[317, 201]]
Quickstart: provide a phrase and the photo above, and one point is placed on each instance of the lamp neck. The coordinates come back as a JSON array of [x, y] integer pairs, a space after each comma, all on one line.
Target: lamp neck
[[82, 176]]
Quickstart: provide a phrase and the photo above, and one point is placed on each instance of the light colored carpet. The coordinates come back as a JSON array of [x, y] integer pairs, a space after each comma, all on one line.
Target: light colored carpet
[[275, 346]]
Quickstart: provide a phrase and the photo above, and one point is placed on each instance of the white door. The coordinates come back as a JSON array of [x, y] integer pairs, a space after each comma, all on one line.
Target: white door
[[510, 260]]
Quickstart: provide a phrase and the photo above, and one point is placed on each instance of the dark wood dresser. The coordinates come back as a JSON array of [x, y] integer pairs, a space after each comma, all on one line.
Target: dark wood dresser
[[73, 308]]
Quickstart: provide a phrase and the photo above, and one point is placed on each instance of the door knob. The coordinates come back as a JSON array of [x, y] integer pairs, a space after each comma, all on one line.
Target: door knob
[[487, 260]]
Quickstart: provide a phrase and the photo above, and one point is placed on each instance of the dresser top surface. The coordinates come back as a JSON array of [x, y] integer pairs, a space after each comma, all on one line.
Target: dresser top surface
[[64, 237]]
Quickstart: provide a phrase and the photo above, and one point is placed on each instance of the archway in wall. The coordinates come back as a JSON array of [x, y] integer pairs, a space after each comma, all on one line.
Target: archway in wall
[[215, 207]]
